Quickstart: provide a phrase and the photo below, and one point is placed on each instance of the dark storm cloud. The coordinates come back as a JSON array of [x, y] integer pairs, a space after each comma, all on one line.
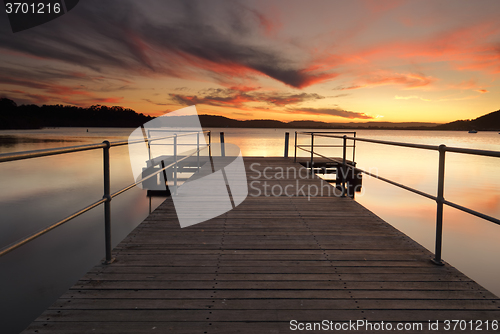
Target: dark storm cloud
[[162, 38], [331, 111]]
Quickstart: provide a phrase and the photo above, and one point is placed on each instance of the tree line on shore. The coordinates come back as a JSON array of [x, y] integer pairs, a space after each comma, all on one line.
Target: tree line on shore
[[32, 116]]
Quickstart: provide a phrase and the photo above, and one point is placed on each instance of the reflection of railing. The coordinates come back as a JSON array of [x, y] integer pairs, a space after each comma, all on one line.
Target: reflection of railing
[[106, 199], [442, 149]]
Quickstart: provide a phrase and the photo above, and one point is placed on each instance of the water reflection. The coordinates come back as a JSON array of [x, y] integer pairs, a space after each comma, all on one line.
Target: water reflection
[[11, 141]]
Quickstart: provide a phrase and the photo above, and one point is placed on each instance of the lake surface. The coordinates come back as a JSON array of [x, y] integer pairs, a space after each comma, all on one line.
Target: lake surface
[[37, 192]]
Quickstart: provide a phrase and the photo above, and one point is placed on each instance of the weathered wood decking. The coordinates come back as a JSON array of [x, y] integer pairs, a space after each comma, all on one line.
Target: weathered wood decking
[[267, 262]]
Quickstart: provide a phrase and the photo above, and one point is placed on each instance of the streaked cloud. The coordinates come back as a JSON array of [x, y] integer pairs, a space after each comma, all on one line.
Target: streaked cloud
[[338, 112], [381, 78], [240, 97], [444, 99]]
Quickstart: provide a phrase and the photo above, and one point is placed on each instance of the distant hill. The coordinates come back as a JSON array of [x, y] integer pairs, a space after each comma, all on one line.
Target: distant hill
[[488, 122], [211, 121]]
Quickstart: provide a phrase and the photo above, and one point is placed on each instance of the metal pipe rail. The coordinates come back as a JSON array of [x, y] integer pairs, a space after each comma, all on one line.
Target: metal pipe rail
[[106, 199], [312, 146], [440, 201], [5, 157]]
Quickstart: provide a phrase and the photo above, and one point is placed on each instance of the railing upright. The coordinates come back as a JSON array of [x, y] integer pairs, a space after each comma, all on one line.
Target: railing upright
[[222, 145], [344, 166], [354, 149], [439, 212], [175, 166], [107, 205], [210, 143], [287, 139], [312, 153]]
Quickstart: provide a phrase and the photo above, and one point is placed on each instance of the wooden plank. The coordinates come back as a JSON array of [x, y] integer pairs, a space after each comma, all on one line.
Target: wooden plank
[[400, 277], [276, 285], [212, 327], [268, 304], [137, 315], [161, 270], [75, 293]]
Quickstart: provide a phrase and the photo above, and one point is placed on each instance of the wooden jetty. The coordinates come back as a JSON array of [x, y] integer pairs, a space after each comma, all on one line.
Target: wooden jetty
[[270, 261]]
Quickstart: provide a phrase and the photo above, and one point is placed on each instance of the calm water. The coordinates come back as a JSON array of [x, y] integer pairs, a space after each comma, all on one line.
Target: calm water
[[37, 192]]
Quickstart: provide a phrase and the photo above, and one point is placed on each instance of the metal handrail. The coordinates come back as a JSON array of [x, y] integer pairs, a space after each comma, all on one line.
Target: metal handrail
[[322, 134], [5, 157], [442, 149], [315, 132], [106, 199], [324, 146]]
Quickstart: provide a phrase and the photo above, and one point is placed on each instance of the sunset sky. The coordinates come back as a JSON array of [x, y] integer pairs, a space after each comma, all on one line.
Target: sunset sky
[[332, 61]]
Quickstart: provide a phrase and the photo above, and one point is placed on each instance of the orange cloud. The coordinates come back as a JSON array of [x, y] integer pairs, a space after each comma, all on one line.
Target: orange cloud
[[331, 112], [468, 85], [397, 97], [380, 78], [312, 76], [244, 88], [466, 48]]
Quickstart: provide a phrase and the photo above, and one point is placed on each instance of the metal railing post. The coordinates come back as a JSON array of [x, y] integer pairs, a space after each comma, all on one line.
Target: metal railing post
[[222, 145], [209, 143], [439, 212], [107, 205], [344, 166], [295, 156], [175, 166], [354, 150], [287, 138], [312, 152], [149, 143]]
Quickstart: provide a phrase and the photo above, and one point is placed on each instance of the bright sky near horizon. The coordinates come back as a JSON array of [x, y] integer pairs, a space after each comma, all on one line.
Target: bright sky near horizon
[[332, 61]]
